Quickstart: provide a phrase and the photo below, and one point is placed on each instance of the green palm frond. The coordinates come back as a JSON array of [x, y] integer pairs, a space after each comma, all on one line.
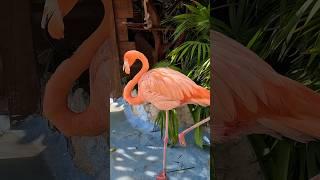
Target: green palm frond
[[190, 53], [167, 64], [196, 22], [193, 55]]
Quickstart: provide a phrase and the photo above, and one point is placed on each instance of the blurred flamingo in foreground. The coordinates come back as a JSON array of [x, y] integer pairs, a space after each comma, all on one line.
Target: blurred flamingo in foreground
[[90, 54], [165, 89], [251, 98]]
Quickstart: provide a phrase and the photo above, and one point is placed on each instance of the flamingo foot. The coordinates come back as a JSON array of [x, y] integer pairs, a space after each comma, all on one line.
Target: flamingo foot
[[182, 140], [162, 176]]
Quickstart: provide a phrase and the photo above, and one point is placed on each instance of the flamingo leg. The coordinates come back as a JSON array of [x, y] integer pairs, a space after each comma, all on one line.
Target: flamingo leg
[[182, 140], [162, 175]]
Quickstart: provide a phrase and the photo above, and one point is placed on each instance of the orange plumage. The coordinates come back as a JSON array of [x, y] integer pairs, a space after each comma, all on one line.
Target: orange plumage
[[251, 98], [163, 87], [90, 122]]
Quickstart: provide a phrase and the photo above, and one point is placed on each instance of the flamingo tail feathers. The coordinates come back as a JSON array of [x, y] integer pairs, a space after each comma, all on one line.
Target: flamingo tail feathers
[[202, 98]]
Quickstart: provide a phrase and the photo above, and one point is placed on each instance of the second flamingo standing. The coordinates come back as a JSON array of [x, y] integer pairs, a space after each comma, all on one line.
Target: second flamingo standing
[[166, 89]]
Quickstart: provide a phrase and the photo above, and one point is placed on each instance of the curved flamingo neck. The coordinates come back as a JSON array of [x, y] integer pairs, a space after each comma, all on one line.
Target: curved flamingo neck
[[55, 103], [129, 87]]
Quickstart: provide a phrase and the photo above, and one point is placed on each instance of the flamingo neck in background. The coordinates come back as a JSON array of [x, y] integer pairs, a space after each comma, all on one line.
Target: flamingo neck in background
[[130, 86]]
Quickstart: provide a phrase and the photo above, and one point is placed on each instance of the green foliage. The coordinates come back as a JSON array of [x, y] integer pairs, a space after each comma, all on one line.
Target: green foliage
[[193, 55], [173, 125], [192, 58], [198, 113], [287, 35], [196, 22], [167, 64]]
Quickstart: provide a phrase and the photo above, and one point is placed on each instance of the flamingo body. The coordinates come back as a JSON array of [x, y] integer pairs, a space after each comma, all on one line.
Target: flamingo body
[[167, 89], [90, 122]]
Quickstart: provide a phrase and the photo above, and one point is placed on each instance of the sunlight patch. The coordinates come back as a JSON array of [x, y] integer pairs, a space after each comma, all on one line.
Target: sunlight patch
[[150, 173], [152, 158], [121, 168]]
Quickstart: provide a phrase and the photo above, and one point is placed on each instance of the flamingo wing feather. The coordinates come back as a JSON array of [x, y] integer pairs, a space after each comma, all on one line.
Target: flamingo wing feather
[[167, 87], [248, 93]]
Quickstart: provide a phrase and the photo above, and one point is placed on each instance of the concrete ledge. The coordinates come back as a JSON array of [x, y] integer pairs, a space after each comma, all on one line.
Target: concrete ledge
[[11, 147]]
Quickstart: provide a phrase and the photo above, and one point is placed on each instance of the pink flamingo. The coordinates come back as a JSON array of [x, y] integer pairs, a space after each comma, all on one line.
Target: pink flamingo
[[251, 98], [165, 89]]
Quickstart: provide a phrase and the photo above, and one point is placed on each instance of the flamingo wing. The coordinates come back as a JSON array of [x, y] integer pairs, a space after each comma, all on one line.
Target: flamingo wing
[[250, 97], [167, 88]]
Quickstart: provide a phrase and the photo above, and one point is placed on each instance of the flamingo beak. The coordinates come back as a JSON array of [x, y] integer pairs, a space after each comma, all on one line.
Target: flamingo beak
[[126, 67]]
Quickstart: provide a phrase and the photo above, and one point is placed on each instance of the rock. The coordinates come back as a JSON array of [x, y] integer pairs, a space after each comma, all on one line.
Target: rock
[[185, 116], [183, 112], [152, 111], [90, 155], [79, 100]]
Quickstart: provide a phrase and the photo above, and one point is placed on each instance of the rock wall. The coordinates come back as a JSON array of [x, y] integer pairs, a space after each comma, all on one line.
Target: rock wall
[[183, 112], [184, 115]]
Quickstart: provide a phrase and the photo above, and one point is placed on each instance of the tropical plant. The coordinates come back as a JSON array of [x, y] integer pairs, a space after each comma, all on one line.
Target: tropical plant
[[193, 55], [192, 58], [287, 35]]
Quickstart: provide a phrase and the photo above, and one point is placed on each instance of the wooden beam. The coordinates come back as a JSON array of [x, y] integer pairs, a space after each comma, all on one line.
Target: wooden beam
[[123, 8], [126, 46], [122, 29]]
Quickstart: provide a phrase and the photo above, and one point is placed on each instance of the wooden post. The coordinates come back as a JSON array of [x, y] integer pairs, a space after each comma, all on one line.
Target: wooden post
[[19, 64], [114, 69], [123, 9]]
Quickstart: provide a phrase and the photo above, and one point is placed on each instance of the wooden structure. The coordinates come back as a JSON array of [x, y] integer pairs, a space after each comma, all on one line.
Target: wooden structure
[[19, 82], [23, 41], [123, 9]]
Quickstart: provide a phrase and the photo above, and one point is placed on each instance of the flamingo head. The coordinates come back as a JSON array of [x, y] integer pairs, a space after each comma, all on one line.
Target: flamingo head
[[130, 58], [126, 67]]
